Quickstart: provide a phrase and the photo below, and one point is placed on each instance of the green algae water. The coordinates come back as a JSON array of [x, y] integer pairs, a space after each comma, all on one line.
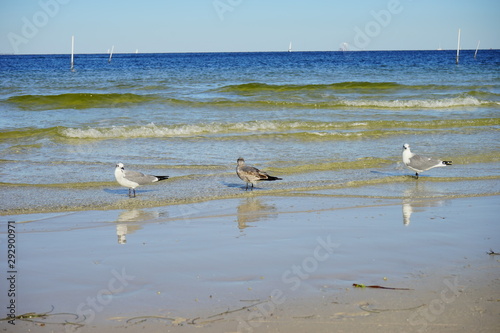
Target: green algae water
[[328, 123]]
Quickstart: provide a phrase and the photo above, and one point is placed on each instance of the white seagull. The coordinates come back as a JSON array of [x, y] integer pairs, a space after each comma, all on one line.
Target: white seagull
[[251, 175], [133, 179], [420, 163]]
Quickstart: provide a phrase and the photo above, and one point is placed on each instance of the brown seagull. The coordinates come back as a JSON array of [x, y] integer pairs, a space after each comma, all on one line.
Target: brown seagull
[[251, 175]]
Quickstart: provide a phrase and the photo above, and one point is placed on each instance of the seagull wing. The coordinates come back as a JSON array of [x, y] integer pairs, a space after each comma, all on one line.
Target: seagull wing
[[252, 173], [423, 163], [139, 177]]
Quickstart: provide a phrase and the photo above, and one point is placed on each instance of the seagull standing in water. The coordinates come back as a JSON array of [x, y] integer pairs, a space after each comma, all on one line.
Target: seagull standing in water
[[251, 175], [133, 179], [420, 163]]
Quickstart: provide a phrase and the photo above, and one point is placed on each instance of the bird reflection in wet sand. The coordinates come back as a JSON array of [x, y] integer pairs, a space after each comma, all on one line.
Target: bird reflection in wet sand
[[417, 200], [124, 225], [253, 210], [414, 206]]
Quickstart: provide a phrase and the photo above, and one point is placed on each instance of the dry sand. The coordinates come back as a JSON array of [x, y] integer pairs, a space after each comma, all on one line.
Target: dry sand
[[262, 264]]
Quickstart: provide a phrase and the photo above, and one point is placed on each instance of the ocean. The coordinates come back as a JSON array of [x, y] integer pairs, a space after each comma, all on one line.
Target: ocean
[[331, 124]]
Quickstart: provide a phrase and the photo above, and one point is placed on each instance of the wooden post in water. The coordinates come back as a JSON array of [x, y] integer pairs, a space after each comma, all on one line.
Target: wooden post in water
[[72, 52], [458, 47]]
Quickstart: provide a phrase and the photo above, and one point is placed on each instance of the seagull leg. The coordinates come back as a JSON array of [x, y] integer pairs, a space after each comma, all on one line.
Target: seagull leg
[[134, 192], [416, 175], [129, 193], [246, 188], [251, 188]]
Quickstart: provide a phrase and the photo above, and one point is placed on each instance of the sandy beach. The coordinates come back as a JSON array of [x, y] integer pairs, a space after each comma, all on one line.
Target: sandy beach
[[262, 263]]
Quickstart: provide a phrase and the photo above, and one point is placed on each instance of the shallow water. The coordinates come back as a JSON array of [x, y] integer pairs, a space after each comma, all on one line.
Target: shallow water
[[323, 121]]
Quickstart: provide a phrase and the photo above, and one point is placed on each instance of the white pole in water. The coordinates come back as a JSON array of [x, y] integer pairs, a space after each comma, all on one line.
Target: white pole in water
[[477, 48], [458, 47], [72, 51], [111, 53]]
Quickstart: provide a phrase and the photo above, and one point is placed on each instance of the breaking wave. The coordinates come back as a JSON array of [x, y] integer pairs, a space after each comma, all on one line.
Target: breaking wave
[[282, 128]]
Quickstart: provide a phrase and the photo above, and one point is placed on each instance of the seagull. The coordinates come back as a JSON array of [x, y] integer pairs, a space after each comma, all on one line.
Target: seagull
[[420, 163], [133, 179], [250, 174]]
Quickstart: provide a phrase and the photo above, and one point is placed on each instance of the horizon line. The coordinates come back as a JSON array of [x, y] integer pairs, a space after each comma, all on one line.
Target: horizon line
[[285, 51]]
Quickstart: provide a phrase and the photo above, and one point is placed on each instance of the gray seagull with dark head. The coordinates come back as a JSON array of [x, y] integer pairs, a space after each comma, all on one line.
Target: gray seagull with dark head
[[251, 175], [133, 179], [420, 163]]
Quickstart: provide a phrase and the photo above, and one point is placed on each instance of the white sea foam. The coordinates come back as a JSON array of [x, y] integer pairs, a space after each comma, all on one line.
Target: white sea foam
[[418, 103], [153, 130], [150, 130]]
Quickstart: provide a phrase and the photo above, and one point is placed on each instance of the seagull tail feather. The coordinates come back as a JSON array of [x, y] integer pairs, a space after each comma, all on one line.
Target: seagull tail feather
[[270, 178], [161, 177], [447, 162]]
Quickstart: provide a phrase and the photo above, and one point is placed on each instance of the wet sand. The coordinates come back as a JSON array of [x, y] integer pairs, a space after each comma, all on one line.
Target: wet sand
[[262, 264]]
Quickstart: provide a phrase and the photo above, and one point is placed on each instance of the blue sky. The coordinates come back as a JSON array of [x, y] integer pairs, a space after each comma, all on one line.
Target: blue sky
[[46, 26]]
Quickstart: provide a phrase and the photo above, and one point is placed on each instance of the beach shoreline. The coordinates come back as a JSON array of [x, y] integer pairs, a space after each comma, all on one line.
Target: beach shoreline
[[261, 264]]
